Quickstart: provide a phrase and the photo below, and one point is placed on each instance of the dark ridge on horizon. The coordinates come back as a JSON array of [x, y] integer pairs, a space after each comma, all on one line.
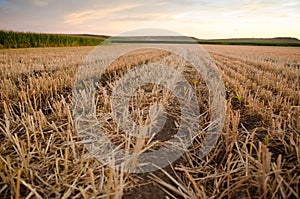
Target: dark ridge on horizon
[[89, 35], [290, 39], [276, 41]]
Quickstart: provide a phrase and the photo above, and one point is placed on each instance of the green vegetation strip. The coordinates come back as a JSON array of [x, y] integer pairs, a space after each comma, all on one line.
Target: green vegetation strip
[[11, 39], [254, 43]]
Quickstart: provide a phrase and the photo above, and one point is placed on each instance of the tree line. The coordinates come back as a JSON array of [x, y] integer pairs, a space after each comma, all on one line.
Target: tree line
[[12, 39]]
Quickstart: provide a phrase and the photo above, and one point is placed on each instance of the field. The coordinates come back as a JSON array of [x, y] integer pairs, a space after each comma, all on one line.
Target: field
[[256, 156], [277, 41], [11, 39]]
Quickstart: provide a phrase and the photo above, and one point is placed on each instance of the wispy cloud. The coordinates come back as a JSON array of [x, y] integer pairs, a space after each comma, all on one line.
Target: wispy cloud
[[77, 18], [39, 3]]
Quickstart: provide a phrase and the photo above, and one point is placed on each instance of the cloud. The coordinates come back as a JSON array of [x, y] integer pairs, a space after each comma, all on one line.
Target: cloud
[[77, 18], [39, 3]]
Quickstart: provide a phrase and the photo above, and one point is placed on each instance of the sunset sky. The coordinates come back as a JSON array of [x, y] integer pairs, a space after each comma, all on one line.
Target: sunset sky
[[200, 18]]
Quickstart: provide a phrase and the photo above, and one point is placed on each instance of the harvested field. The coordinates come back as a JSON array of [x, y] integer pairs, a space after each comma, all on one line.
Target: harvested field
[[256, 156]]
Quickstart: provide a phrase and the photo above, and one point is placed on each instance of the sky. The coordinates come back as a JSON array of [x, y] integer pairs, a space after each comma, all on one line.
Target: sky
[[205, 19]]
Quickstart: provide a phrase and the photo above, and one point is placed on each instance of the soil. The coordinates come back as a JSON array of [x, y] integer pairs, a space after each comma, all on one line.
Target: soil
[[149, 189]]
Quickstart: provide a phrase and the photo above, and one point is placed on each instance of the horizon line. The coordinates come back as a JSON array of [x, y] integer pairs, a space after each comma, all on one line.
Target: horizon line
[[97, 34]]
